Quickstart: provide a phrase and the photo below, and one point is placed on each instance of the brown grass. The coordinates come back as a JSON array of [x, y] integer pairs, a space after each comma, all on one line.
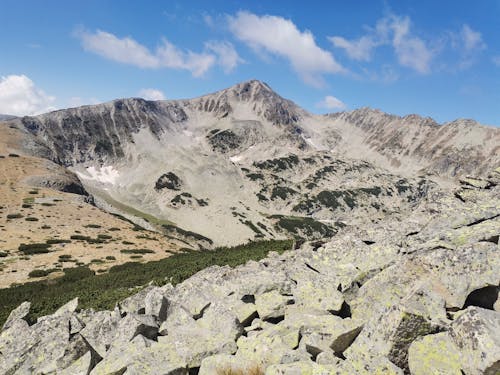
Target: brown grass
[[256, 370]]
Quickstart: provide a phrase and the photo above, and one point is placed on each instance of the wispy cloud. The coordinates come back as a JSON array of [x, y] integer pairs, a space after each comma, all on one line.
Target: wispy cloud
[[152, 94], [393, 30], [20, 96], [496, 60], [128, 51], [281, 37], [227, 57], [331, 103]]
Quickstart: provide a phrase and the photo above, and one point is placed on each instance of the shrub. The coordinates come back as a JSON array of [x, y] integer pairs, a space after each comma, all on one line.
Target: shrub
[[92, 226], [33, 192], [135, 256], [104, 290], [48, 204], [104, 236], [97, 261], [14, 216], [14, 155], [26, 205], [34, 248], [79, 237], [31, 219], [45, 227], [110, 257], [128, 243], [41, 273], [136, 251], [64, 257], [114, 229], [3, 254]]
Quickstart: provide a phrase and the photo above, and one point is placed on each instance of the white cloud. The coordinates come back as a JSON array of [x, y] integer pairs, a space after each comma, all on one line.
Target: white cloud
[[77, 101], [411, 51], [125, 50], [19, 96], [496, 60], [472, 40], [152, 94], [331, 102], [281, 37], [227, 57], [128, 51], [359, 49]]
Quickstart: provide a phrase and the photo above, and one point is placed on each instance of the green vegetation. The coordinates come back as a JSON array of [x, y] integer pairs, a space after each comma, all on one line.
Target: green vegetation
[[136, 251], [64, 257], [104, 290], [304, 226], [279, 164], [14, 216], [92, 226], [187, 233], [34, 248], [31, 219], [110, 257], [3, 254], [104, 236], [42, 273], [282, 192]]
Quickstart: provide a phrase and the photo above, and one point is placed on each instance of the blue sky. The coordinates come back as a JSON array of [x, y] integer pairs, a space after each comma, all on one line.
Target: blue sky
[[435, 58]]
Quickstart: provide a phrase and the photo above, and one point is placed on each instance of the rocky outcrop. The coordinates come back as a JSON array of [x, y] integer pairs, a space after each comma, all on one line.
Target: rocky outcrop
[[403, 295]]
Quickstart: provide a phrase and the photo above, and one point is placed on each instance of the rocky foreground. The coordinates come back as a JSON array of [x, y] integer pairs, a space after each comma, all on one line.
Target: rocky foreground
[[408, 294]]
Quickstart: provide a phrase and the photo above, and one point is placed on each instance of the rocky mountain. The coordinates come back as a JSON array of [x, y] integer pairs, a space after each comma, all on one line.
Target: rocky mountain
[[394, 267], [6, 117], [412, 293], [244, 163]]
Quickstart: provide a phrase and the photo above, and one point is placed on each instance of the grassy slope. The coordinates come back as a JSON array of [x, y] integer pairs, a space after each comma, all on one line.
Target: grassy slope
[[103, 291]]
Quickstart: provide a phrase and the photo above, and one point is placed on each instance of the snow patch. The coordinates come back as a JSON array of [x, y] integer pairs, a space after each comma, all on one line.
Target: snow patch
[[236, 158], [105, 174]]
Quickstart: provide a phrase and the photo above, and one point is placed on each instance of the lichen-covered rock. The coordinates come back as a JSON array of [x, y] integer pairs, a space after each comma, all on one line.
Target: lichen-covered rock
[[156, 304], [18, 313], [225, 363], [271, 304], [476, 334], [100, 330], [434, 354]]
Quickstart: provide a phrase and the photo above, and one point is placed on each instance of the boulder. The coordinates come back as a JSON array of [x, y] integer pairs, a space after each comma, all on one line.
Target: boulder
[[271, 304], [19, 312], [476, 333], [224, 363], [156, 304], [434, 354], [100, 330]]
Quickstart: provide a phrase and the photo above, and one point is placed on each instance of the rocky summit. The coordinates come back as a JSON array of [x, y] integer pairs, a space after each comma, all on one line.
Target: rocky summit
[[395, 222]]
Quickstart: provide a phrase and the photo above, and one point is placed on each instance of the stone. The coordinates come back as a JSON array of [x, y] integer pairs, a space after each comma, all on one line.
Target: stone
[[68, 308], [271, 304], [19, 312], [156, 304], [81, 366], [135, 303], [100, 330], [476, 333], [318, 294], [132, 325], [434, 354]]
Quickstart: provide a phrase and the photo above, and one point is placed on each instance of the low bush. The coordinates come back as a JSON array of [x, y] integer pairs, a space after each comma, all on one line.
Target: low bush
[[136, 251], [34, 248], [104, 236], [54, 241], [14, 216], [31, 219], [110, 257], [104, 290], [92, 226]]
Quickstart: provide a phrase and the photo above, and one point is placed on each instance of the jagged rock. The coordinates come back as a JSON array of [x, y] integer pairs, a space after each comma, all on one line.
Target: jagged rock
[[389, 335], [271, 304], [135, 303], [434, 354], [68, 308], [475, 182], [36, 348], [475, 332], [156, 304], [100, 330], [318, 294], [81, 366], [76, 348], [327, 358], [18, 313], [131, 326], [177, 316]]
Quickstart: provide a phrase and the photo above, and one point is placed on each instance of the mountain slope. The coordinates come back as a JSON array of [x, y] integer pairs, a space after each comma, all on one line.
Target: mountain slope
[[241, 156]]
